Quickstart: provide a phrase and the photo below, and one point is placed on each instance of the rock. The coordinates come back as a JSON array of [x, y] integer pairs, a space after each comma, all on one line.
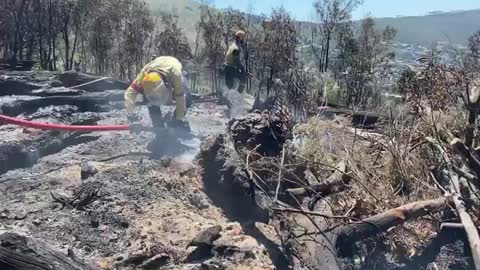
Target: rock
[[36, 222], [198, 201], [166, 162], [233, 251], [4, 214], [134, 259], [212, 265], [87, 170], [94, 223], [156, 261], [124, 223], [20, 216], [188, 172], [206, 237]]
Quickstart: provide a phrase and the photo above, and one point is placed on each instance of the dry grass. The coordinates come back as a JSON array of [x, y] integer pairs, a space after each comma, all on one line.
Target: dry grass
[[388, 171]]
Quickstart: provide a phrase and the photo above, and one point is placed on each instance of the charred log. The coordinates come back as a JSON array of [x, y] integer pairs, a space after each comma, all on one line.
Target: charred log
[[308, 247], [349, 234], [17, 65], [90, 82], [22, 253], [15, 86], [56, 91], [92, 103], [224, 173]]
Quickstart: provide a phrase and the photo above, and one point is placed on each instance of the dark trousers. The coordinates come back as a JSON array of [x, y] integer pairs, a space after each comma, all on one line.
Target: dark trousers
[[156, 116], [232, 73]]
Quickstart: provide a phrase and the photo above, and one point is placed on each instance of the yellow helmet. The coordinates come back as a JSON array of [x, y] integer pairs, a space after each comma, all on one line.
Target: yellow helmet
[[240, 35], [155, 89], [151, 80]]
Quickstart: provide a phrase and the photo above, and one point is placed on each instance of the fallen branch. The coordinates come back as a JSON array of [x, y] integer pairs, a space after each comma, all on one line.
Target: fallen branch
[[280, 174], [337, 182], [351, 233], [461, 149], [84, 196], [470, 228], [310, 213]]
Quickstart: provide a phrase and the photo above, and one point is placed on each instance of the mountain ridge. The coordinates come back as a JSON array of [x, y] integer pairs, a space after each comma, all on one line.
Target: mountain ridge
[[454, 26]]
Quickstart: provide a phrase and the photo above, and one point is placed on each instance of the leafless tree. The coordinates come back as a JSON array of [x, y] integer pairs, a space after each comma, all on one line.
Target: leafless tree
[[275, 49], [233, 20], [101, 33], [211, 29]]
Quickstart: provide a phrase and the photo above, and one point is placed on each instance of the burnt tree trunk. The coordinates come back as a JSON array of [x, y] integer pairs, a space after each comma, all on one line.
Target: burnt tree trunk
[[309, 248], [231, 182]]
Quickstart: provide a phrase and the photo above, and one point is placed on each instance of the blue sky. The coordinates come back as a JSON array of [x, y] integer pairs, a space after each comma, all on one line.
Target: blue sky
[[302, 9]]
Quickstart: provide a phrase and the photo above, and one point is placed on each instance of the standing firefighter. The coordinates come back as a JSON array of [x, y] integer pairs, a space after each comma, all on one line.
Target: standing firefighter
[[233, 63], [160, 81]]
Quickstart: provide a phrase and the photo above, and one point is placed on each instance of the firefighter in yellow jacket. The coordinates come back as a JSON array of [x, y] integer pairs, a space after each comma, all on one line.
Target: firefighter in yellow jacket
[[160, 82], [233, 67]]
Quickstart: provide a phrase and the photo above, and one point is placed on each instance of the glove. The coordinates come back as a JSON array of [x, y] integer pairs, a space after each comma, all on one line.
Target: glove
[[133, 117], [135, 128]]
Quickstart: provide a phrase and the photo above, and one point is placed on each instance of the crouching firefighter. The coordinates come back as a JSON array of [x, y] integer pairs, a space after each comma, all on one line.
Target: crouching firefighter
[[160, 82]]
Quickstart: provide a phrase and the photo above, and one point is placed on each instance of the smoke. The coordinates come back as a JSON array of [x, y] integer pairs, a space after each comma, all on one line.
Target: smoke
[[190, 152]]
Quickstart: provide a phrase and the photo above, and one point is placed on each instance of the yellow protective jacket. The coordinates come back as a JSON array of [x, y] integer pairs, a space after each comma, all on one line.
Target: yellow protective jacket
[[233, 55], [171, 70]]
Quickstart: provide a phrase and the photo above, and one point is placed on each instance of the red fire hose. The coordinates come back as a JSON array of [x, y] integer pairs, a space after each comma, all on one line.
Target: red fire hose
[[59, 127]]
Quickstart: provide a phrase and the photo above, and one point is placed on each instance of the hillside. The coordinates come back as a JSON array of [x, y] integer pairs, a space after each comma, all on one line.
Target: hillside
[[187, 10], [453, 27]]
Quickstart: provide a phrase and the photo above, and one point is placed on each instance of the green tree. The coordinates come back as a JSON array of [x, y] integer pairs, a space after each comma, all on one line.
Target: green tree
[[331, 14], [362, 61]]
